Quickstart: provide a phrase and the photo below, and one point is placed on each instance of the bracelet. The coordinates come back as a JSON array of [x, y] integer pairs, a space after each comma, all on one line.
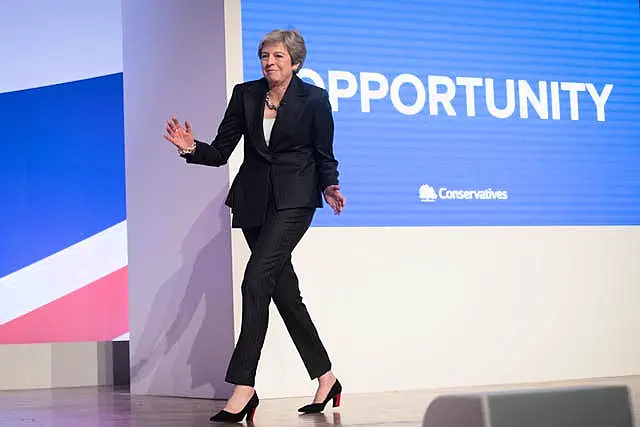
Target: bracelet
[[189, 150]]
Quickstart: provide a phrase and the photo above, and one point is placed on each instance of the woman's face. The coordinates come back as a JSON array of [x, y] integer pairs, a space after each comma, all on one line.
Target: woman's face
[[276, 63]]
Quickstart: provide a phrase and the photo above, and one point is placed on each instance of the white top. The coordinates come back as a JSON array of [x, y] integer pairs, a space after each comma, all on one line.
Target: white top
[[267, 125]]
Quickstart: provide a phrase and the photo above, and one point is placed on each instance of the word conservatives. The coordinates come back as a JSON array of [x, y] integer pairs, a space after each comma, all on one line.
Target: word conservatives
[[501, 98], [429, 194]]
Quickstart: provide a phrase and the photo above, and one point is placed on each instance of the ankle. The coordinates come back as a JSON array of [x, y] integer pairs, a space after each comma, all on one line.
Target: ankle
[[243, 390], [327, 378]]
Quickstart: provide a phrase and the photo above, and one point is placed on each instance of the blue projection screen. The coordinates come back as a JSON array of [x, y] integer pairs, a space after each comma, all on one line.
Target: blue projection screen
[[483, 113]]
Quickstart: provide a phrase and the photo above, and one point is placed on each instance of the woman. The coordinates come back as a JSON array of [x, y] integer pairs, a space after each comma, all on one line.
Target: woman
[[288, 166]]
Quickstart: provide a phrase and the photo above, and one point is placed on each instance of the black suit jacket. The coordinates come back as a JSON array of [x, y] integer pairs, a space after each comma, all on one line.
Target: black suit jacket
[[298, 162]]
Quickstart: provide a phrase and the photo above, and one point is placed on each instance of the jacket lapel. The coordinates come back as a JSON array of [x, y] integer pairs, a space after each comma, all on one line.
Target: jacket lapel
[[290, 111], [254, 107]]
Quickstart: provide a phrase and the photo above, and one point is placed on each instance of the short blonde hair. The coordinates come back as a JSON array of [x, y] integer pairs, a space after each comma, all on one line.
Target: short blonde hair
[[292, 40]]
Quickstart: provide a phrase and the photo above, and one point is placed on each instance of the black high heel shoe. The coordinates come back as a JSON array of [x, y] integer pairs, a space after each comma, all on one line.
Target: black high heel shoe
[[334, 393], [249, 410]]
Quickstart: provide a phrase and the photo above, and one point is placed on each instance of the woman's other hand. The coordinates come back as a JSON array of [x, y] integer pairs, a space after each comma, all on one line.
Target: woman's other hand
[[335, 199]]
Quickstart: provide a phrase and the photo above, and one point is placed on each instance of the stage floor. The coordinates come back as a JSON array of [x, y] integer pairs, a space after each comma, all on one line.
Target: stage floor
[[105, 407]]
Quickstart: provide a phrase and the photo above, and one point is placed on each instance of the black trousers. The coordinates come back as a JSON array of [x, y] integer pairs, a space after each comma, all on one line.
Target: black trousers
[[269, 275]]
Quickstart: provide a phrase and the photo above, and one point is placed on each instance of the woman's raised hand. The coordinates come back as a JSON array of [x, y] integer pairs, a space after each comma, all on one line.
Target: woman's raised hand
[[181, 137]]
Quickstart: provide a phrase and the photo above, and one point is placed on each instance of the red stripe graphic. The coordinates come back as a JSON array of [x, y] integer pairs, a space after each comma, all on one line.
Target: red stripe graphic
[[95, 312]]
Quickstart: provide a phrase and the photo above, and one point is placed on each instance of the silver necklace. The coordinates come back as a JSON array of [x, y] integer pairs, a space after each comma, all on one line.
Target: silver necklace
[[268, 102]]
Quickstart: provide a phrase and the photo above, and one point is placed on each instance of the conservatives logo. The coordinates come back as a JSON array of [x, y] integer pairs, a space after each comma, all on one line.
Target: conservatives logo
[[428, 193]]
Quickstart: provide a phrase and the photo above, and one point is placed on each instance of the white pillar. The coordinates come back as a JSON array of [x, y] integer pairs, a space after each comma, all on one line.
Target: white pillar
[[181, 295]]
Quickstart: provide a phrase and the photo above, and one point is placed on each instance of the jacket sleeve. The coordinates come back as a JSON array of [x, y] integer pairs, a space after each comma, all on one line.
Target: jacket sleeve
[[326, 163], [217, 152]]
